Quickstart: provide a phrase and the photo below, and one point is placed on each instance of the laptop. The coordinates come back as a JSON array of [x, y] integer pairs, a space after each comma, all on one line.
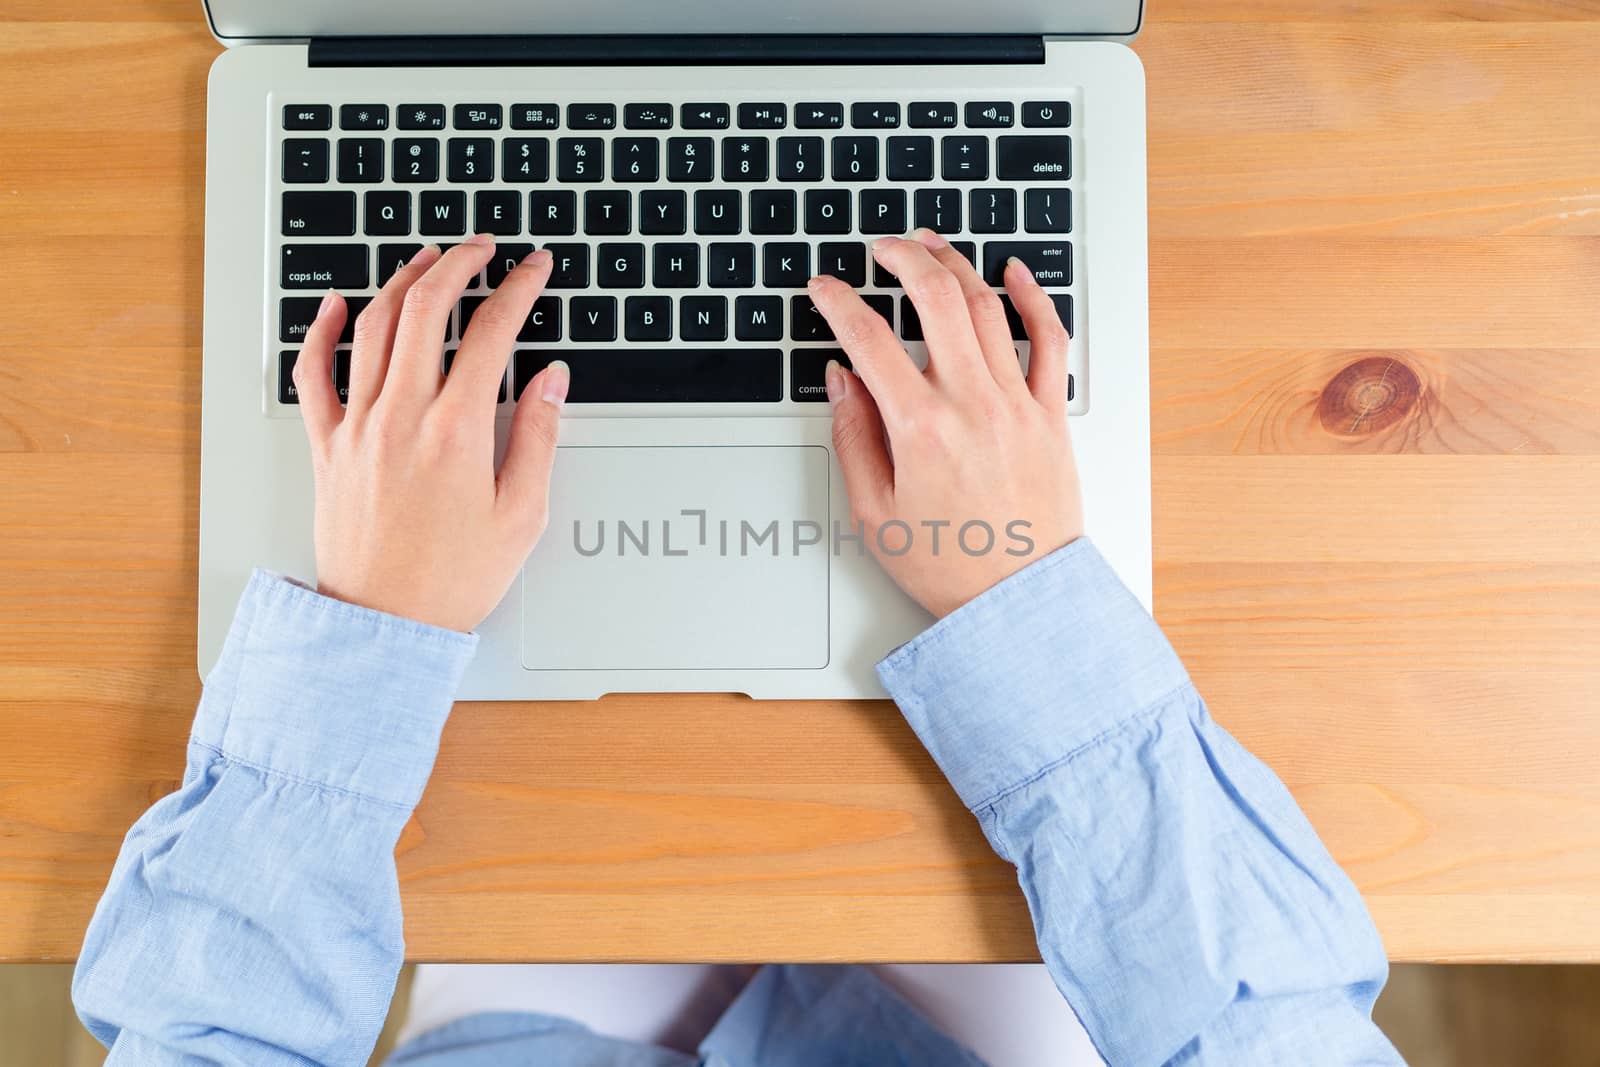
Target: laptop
[[690, 165]]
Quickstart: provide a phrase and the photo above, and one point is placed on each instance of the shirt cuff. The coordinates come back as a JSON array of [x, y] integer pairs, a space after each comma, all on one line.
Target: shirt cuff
[[1023, 676], [328, 693]]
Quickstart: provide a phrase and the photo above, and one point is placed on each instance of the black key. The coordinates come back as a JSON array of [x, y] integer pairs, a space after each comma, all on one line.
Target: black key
[[845, 260], [806, 372], [819, 116], [506, 257], [592, 116], [319, 214], [525, 159], [607, 212], [498, 211], [758, 318], [594, 318], [635, 159], [986, 114], [1039, 157], [647, 318], [580, 159], [534, 116], [416, 159], [883, 304], [570, 269], [704, 116], [392, 257], [799, 159], [993, 211], [553, 212], [388, 213], [703, 318], [855, 159], [966, 159], [287, 393], [1050, 261], [471, 159], [663, 211], [663, 375], [875, 116], [763, 116], [806, 322], [1062, 301], [883, 211], [827, 211], [910, 321], [305, 159], [689, 159], [882, 278], [307, 117], [442, 213], [647, 116], [360, 159], [419, 116], [716, 211], [677, 266], [620, 266], [731, 265], [543, 322], [324, 267], [1047, 211], [744, 159], [910, 159], [785, 265], [932, 114], [772, 211], [1046, 113], [364, 117], [450, 358], [478, 116], [296, 314], [938, 209], [341, 376]]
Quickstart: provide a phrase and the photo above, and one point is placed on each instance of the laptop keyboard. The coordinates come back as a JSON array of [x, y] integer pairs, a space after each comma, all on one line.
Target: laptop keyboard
[[683, 233]]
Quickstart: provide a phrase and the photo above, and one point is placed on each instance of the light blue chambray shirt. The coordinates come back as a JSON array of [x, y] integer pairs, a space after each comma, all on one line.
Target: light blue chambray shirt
[[1183, 904]]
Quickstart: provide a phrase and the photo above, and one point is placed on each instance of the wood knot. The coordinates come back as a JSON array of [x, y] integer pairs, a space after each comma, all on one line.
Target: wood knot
[[1369, 395]]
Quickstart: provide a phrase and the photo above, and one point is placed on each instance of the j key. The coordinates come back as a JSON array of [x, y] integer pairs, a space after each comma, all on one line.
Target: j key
[[553, 212], [772, 211], [910, 159], [620, 266], [966, 159], [744, 159], [689, 159], [325, 267], [478, 116], [806, 372], [799, 159], [449, 360], [592, 116], [442, 213], [307, 117], [663, 211], [932, 114], [806, 322], [704, 116], [319, 214], [827, 211], [360, 159], [647, 116], [506, 257], [883, 211], [703, 318], [364, 117], [305, 159], [984, 114], [1040, 156], [994, 211], [785, 265], [580, 159], [647, 318], [663, 375], [498, 211], [763, 116], [606, 212], [716, 211], [938, 209], [758, 318], [1050, 261], [593, 318], [525, 159], [855, 159], [813, 116], [391, 258], [1063, 302], [287, 393], [1047, 211], [471, 159], [731, 265], [416, 159], [845, 260], [569, 268], [1047, 113], [534, 117], [635, 159], [874, 116], [388, 213], [297, 313], [677, 266], [419, 116], [543, 322]]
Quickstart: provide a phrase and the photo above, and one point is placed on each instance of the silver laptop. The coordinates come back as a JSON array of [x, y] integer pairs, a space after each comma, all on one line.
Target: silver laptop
[[690, 165]]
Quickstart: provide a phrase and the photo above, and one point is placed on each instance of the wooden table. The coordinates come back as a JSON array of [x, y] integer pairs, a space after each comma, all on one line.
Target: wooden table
[[1375, 293]]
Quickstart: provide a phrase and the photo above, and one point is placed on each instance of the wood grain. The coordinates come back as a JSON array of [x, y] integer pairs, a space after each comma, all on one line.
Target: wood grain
[[1375, 253]]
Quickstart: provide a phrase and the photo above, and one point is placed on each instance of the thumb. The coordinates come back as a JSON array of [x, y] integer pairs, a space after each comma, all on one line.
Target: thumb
[[524, 479], [858, 442]]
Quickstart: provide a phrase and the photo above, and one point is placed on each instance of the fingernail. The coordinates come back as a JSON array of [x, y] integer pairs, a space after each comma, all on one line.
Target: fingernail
[[481, 239], [833, 381], [1022, 269], [327, 302], [541, 257], [424, 252], [557, 377], [927, 238]]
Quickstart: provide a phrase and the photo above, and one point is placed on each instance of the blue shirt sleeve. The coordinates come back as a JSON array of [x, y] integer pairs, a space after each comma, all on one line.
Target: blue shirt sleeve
[[254, 915], [1185, 907]]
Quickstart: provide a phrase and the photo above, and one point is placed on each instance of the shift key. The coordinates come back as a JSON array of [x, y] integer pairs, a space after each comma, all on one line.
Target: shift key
[[1050, 261], [325, 266]]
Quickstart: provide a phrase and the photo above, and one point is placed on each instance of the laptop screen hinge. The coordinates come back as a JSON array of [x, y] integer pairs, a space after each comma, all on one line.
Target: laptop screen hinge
[[604, 50]]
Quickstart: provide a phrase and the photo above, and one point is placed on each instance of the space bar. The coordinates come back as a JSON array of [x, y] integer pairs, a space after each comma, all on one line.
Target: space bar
[[661, 375]]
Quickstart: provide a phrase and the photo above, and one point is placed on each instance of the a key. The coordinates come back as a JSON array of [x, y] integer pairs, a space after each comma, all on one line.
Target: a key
[[543, 322], [449, 361], [758, 318], [677, 266], [1037, 157], [419, 116], [932, 114], [910, 159], [647, 318], [534, 117], [592, 116], [855, 159], [689, 159], [364, 117], [647, 116], [319, 214], [806, 322], [799, 159], [305, 160], [988, 114], [885, 116], [819, 116], [806, 372], [994, 211], [388, 213], [620, 266], [307, 117], [442, 213], [606, 212], [704, 116], [1062, 301], [498, 211], [324, 267], [360, 159], [763, 116], [845, 260], [1047, 211], [703, 318], [553, 212], [569, 268], [663, 211], [1047, 113], [716, 211], [772, 211], [635, 159], [416, 160], [525, 159], [744, 159], [470, 159], [883, 211], [786, 265], [827, 211], [662, 375], [593, 318], [478, 116], [391, 258], [731, 265], [938, 209], [1050, 261], [580, 159], [506, 257], [966, 159]]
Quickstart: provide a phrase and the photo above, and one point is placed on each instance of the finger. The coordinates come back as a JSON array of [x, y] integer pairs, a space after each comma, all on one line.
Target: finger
[[983, 304], [313, 370], [524, 479], [1047, 337], [858, 443], [375, 329], [953, 351], [480, 363], [415, 368], [874, 351]]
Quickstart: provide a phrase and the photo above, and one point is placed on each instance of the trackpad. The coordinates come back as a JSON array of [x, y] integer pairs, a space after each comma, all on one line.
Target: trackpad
[[696, 558]]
